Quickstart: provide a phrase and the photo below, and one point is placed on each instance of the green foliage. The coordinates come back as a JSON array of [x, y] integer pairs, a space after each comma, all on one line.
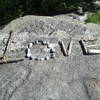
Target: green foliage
[[94, 17], [11, 9], [52, 5], [63, 5]]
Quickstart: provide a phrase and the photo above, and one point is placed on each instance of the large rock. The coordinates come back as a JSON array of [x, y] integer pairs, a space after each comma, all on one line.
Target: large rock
[[60, 78]]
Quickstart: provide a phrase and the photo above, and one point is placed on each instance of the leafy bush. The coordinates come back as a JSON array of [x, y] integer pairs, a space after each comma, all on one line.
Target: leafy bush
[[62, 5], [11, 9], [94, 17]]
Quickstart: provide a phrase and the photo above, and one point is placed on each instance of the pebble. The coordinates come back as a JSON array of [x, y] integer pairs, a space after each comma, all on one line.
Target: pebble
[[40, 41], [33, 43], [53, 55], [30, 45], [50, 46], [36, 41], [52, 50], [37, 59], [30, 58], [28, 53], [42, 59], [46, 58], [44, 42]]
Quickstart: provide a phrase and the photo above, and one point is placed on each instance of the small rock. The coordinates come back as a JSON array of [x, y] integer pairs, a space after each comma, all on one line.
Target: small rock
[[46, 58], [40, 41], [50, 46], [44, 42], [36, 42], [28, 53], [30, 45], [53, 55], [30, 58], [52, 50], [42, 59], [37, 59]]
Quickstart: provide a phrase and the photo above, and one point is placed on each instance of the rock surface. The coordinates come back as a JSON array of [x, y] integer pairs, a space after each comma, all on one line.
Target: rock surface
[[93, 88], [61, 78]]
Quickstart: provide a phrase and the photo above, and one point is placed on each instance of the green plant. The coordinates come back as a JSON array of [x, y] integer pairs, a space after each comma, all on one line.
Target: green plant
[[11, 9], [94, 17], [52, 5]]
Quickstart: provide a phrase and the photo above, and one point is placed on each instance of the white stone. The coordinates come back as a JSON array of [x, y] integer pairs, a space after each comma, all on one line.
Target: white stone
[[36, 41], [28, 53], [46, 58], [44, 42], [30, 45], [42, 59], [50, 45]]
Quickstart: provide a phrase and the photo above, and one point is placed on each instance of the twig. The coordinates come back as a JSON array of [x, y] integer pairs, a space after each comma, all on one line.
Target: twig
[[11, 61], [84, 47], [91, 39], [93, 51], [95, 45], [69, 48], [7, 44], [63, 49]]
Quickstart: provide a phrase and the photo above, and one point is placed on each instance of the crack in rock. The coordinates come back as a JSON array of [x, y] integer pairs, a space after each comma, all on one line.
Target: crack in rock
[[16, 83], [93, 88]]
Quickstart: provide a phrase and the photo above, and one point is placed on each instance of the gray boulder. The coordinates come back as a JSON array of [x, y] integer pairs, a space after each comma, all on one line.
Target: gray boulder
[[61, 78]]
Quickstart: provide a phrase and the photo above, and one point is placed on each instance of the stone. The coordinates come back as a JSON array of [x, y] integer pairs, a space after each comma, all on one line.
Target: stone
[[51, 46], [52, 50], [30, 45], [47, 58], [37, 59], [61, 78], [28, 55], [53, 55], [42, 59], [44, 42], [36, 42], [30, 58]]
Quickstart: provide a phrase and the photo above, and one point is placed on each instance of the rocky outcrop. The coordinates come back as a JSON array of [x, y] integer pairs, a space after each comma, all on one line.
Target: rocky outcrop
[[61, 78]]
